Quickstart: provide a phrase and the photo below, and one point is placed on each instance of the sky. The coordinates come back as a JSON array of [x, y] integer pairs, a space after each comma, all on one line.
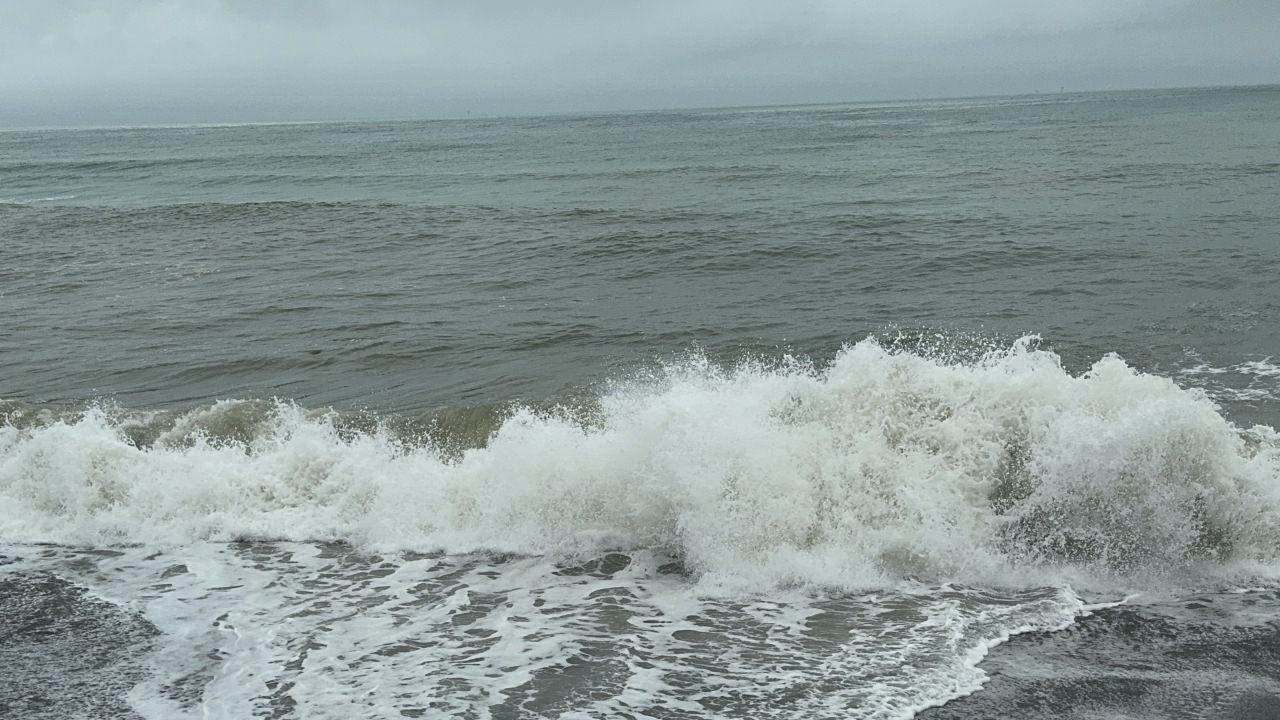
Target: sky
[[111, 62]]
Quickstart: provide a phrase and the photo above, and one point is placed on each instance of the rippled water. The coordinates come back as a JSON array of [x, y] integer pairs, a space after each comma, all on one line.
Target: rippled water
[[410, 265], [837, 411]]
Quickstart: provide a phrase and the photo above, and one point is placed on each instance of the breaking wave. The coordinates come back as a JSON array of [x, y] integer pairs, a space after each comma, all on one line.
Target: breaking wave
[[883, 464]]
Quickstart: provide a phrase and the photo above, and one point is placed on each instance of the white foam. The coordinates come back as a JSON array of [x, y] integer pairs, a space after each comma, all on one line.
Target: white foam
[[31, 201], [322, 632], [1251, 381], [880, 466], [1262, 367]]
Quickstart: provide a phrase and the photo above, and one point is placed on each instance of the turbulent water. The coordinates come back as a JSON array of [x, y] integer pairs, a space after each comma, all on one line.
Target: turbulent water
[[953, 409]]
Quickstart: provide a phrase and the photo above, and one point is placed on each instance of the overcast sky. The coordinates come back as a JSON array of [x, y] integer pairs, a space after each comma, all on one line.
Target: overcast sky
[[101, 62]]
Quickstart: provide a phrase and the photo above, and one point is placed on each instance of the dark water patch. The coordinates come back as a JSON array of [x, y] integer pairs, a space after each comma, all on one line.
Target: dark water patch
[[1208, 657], [64, 653]]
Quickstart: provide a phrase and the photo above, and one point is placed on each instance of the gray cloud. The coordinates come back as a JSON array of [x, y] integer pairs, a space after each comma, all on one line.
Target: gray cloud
[[120, 61]]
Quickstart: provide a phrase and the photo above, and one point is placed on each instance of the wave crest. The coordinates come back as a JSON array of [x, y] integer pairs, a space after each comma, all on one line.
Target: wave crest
[[883, 464]]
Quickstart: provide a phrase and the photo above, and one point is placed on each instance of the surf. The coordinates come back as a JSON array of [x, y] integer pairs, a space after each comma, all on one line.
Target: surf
[[883, 464]]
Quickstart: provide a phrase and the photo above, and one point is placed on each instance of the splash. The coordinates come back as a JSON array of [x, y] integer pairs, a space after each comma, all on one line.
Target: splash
[[882, 465]]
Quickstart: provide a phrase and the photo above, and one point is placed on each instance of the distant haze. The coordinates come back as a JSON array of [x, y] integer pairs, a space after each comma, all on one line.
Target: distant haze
[[102, 62]]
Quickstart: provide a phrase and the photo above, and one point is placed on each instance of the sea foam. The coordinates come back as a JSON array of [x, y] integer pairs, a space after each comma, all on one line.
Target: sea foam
[[881, 465]]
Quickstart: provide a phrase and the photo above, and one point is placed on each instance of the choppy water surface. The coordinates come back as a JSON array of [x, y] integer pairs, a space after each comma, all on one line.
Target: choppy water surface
[[822, 412]]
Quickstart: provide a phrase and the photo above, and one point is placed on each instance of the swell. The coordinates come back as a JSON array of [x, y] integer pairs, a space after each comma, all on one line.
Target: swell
[[885, 464]]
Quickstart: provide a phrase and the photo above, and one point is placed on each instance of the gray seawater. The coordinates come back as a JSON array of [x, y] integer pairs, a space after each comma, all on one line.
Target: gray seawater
[[949, 409]]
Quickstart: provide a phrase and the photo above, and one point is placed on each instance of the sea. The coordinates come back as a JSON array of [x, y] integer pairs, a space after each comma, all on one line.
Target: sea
[[951, 410]]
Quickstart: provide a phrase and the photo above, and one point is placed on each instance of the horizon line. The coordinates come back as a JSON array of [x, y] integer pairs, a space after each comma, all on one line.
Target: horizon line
[[624, 111]]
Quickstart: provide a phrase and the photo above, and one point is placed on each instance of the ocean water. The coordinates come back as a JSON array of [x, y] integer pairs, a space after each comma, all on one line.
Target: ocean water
[[948, 409]]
